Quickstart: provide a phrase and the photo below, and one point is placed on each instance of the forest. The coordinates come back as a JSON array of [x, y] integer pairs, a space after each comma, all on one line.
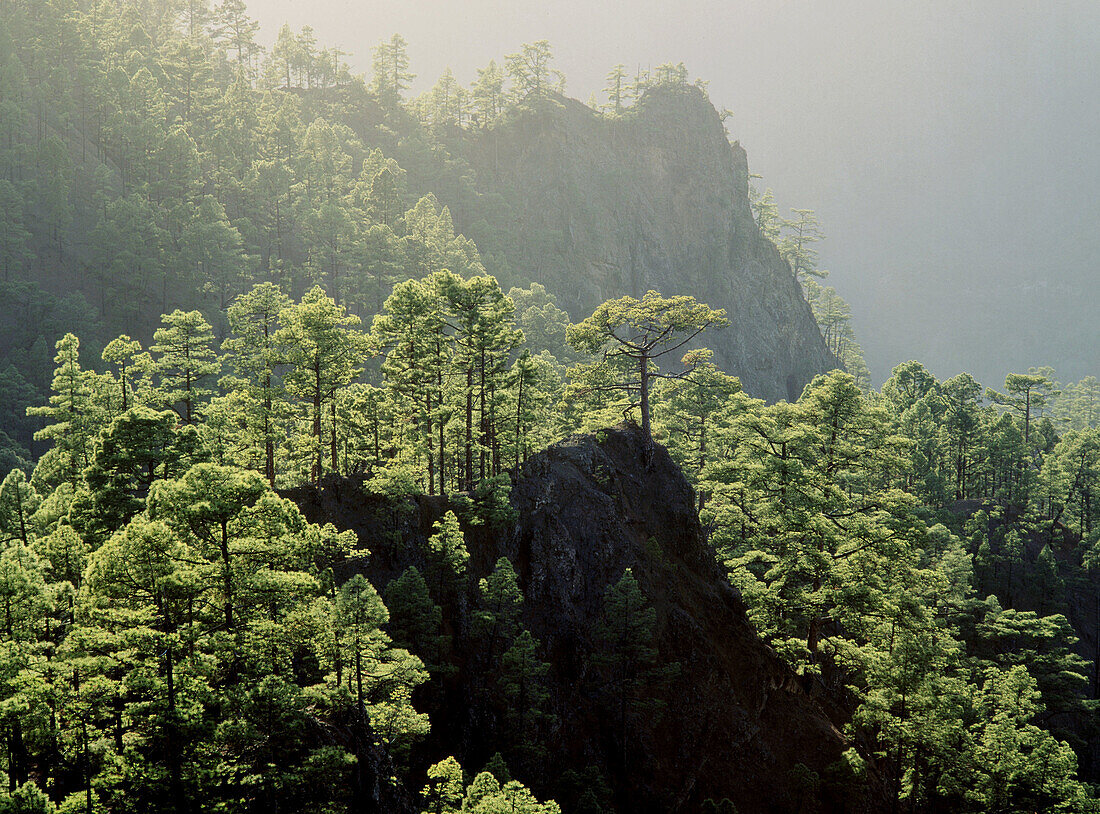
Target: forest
[[231, 291]]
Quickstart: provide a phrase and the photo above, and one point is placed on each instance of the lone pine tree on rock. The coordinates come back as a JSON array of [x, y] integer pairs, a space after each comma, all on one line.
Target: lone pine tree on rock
[[641, 331]]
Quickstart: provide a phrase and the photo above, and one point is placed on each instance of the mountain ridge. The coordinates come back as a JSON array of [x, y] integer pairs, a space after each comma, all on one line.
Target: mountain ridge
[[654, 199]]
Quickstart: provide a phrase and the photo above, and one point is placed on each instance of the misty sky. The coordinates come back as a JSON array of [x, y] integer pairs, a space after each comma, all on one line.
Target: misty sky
[[949, 148]]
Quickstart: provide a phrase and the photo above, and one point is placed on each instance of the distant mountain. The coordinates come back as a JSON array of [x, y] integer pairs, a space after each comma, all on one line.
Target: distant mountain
[[656, 199]]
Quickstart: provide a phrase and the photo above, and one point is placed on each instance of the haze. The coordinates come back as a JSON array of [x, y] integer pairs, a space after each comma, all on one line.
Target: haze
[[948, 148]]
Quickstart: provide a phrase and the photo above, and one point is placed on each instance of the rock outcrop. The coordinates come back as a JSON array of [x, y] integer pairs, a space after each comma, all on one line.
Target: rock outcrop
[[656, 199], [734, 721], [730, 721]]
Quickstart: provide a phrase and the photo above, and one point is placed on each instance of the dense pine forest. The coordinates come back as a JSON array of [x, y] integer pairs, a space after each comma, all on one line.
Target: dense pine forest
[[272, 437]]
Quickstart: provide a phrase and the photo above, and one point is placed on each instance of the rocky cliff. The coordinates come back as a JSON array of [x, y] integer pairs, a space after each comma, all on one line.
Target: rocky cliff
[[657, 199], [731, 721]]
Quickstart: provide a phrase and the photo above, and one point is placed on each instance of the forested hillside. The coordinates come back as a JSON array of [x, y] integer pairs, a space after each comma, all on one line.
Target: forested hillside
[[322, 495], [155, 157]]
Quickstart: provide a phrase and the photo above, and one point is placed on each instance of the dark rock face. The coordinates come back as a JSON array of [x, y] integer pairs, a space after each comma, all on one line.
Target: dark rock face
[[734, 721], [655, 200]]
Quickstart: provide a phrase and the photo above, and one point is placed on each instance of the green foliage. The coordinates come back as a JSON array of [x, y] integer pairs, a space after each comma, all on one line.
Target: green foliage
[[806, 508], [641, 331], [487, 796], [27, 799], [521, 682], [391, 69], [416, 622], [324, 354], [69, 413], [815, 508], [1019, 766], [18, 502], [796, 244], [698, 411], [1027, 394], [184, 362], [498, 769], [139, 447], [447, 557], [628, 658], [253, 352], [499, 603], [445, 793], [533, 80], [172, 629], [796, 238], [193, 649]]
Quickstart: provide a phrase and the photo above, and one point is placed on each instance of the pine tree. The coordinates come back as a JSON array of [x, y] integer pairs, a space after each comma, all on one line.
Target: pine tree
[[359, 614], [18, 502], [641, 332], [253, 351], [698, 408], [64, 555], [443, 793], [210, 504], [535, 388], [325, 353], [487, 95], [412, 331], [24, 607], [125, 353], [391, 70], [447, 556], [70, 428], [499, 603], [415, 620], [236, 31], [139, 587], [522, 683], [962, 426], [797, 244], [626, 633], [184, 362], [485, 795], [532, 77], [1024, 393], [485, 336], [139, 447], [766, 212], [616, 90]]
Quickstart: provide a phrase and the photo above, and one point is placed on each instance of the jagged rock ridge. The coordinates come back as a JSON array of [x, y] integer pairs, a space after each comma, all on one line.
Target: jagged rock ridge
[[657, 199]]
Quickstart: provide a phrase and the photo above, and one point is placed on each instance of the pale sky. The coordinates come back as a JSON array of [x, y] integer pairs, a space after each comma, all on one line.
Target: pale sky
[[948, 147]]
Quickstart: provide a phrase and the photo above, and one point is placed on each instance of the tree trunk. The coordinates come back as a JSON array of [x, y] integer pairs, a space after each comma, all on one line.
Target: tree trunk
[[469, 473], [442, 425], [335, 459], [318, 462], [519, 421], [227, 576], [269, 442], [359, 675]]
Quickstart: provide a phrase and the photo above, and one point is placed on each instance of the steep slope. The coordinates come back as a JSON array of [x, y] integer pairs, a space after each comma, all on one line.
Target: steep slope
[[658, 198], [732, 721]]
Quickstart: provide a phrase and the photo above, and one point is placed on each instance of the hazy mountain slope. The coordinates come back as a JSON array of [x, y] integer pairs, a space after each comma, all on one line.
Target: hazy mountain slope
[[597, 208]]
